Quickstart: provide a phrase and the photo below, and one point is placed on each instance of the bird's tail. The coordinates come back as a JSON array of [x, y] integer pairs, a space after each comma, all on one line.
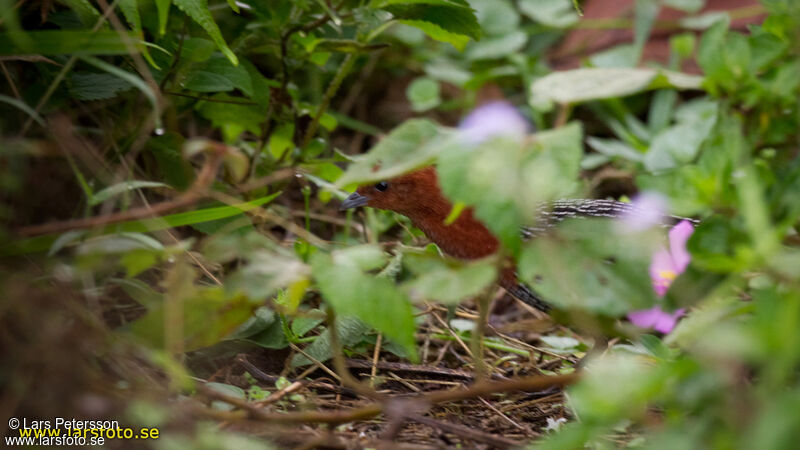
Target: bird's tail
[[551, 214]]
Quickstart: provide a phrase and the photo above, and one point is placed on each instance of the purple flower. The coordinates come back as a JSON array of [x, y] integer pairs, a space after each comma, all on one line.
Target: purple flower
[[648, 210], [493, 120], [665, 266]]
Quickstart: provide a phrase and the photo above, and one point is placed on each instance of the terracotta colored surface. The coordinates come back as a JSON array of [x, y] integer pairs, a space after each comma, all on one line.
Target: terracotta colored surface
[[581, 43]]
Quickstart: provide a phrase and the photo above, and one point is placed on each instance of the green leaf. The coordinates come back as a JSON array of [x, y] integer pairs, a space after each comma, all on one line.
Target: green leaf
[[230, 391], [423, 93], [84, 10], [233, 119], [411, 145], [134, 80], [266, 271], [582, 85], [163, 15], [198, 11], [261, 319], [96, 86], [217, 74], [447, 282], [137, 261], [379, 4], [571, 269], [307, 321], [554, 13], [118, 243], [207, 315], [376, 301], [497, 47], [451, 24], [59, 42], [350, 331], [680, 143], [197, 49], [496, 17], [503, 179], [119, 188], [437, 33]]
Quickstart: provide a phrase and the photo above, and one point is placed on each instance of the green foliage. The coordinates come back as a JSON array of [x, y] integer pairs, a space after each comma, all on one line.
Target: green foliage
[[239, 243]]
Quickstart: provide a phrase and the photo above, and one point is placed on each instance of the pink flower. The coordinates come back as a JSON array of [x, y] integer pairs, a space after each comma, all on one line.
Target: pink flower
[[655, 318], [492, 120], [665, 266]]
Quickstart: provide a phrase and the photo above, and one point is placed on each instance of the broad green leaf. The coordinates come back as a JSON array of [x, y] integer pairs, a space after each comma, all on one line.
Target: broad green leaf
[[446, 282], [596, 397], [453, 3], [503, 179], [96, 86], [411, 145], [423, 93], [680, 143], [582, 85], [233, 119], [554, 13], [134, 80], [614, 148], [199, 12], [349, 330], [376, 301], [571, 269], [207, 315], [497, 47], [452, 24], [130, 9], [437, 33], [304, 323], [197, 49], [363, 257], [59, 42], [689, 6], [265, 272], [496, 17], [119, 188], [217, 74], [137, 261]]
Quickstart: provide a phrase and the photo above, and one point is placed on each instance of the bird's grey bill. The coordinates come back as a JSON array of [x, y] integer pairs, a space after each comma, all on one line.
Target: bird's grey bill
[[354, 201]]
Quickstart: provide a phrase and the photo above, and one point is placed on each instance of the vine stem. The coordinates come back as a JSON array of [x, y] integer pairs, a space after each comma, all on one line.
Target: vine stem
[[344, 69]]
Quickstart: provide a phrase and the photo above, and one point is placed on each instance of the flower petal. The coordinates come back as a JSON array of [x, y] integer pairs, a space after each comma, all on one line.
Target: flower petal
[[666, 321], [648, 210], [662, 271], [492, 120], [678, 237], [645, 318], [656, 319]]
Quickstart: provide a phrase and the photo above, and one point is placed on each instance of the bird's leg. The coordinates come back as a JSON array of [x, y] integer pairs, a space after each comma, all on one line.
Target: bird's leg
[[477, 336], [598, 348]]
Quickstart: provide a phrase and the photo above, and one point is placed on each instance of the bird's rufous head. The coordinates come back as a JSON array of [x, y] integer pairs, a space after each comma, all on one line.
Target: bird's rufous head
[[402, 194]]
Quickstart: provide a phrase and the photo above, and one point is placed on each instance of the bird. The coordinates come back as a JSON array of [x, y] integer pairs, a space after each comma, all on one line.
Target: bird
[[417, 195]]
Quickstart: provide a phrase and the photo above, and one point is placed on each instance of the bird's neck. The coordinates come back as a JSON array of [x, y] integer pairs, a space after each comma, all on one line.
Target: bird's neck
[[465, 238]]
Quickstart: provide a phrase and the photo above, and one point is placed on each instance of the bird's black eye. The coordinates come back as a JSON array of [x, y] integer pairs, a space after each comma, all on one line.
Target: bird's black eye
[[382, 186]]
